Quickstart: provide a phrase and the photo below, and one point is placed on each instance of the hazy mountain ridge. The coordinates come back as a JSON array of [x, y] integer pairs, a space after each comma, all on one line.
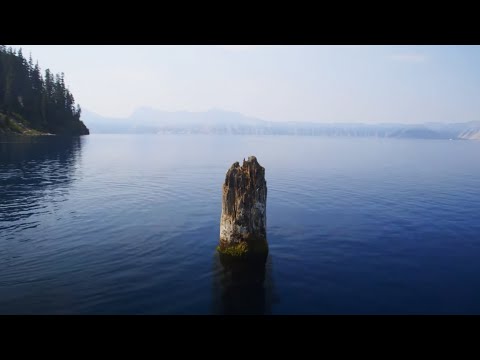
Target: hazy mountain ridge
[[148, 120]]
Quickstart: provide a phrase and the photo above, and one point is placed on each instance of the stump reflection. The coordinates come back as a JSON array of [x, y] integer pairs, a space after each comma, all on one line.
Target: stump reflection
[[242, 287]]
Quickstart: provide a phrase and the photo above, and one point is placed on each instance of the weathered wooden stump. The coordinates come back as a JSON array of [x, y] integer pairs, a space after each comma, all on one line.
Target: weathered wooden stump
[[243, 221]]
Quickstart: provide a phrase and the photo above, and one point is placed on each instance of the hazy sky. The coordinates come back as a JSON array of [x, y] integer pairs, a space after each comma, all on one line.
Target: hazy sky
[[279, 83]]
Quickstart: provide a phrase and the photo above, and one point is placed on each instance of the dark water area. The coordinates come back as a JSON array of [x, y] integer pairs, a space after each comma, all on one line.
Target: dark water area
[[128, 224]]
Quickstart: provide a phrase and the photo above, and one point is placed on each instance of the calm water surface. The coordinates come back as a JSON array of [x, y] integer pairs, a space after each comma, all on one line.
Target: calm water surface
[[128, 224]]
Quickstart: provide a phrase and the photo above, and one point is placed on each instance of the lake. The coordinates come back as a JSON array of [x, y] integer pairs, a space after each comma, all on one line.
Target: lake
[[128, 224]]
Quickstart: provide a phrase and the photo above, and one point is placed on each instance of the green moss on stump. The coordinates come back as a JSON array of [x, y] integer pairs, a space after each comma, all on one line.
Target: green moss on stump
[[238, 249], [254, 247]]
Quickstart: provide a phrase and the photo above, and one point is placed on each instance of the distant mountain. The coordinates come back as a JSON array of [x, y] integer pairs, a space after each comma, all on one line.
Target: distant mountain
[[470, 132], [99, 124], [147, 120]]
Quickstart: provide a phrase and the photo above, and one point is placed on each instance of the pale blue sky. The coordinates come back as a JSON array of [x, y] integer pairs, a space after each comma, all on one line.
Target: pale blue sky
[[408, 84]]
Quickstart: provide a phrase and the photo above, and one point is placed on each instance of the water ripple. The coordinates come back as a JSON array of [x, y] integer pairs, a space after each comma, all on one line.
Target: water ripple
[[125, 224]]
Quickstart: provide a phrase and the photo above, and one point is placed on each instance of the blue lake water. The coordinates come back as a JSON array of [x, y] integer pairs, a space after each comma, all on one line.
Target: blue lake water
[[128, 224]]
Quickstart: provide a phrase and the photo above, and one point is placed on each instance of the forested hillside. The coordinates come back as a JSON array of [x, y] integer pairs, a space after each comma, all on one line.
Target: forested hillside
[[34, 102]]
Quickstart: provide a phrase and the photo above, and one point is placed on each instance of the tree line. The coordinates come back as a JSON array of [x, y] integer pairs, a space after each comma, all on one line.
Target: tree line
[[42, 99]]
